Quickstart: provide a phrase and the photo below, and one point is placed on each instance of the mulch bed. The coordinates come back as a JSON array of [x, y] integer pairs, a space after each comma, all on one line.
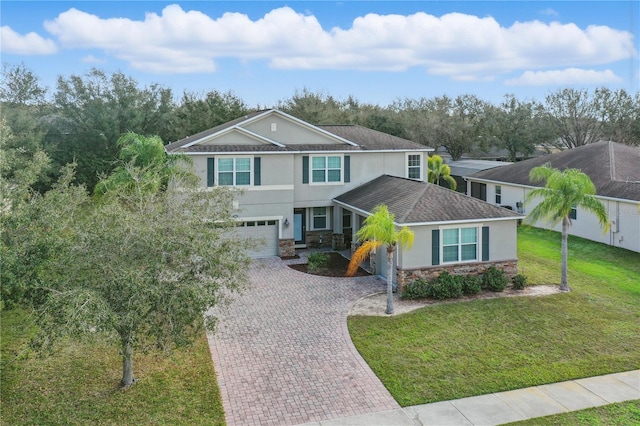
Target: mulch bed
[[336, 267]]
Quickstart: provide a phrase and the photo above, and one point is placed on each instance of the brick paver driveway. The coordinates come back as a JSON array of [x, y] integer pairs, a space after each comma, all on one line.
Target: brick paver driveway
[[282, 351]]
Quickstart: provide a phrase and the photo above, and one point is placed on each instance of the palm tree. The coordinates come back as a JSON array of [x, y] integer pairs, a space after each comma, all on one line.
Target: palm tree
[[378, 230], [437, 170], [563, 191]]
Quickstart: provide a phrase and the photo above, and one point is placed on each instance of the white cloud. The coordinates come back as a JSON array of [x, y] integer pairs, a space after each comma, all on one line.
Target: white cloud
[[458, 45], [90, 59], [569, 76], [29, 44], [549, 12]]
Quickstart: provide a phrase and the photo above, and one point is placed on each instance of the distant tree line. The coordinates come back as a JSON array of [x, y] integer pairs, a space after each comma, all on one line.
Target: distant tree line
[[83, 118]]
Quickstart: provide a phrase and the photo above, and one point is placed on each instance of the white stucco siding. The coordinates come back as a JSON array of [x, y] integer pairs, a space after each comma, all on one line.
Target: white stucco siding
[[624, 234]]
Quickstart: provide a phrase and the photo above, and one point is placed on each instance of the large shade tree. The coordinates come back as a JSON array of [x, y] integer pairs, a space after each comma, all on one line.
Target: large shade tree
[[563, 191], [145, 264], [380, 230]]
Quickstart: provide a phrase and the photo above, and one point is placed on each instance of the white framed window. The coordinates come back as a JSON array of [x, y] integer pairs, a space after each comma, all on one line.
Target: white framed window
[[498, 194], [414, 166], [234, 171], [459, 244], [320, 218], [326, 169]]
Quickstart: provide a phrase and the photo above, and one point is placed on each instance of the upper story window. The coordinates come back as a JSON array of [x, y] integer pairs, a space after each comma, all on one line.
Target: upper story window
[[459, 244], [326, 169], [414, 166], [234, 171], [498, 194]]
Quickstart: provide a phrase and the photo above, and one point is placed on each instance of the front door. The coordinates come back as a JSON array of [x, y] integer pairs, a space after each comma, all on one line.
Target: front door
[[299, 228]]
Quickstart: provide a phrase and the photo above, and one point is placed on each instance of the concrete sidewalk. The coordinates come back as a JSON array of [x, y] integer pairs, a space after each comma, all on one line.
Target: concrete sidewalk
[[506, 407]]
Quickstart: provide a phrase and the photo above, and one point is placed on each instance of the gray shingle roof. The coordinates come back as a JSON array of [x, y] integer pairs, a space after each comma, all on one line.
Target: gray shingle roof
[[369, 139], [175, 146], [366, 140], [420, 202], [614, 168]]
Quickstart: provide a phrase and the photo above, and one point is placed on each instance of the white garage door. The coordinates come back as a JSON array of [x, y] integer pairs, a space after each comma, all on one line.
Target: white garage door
[[264, 235]]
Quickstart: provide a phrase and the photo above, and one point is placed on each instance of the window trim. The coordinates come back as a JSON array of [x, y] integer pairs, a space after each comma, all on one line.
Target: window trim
[[234, 171], [573, 213], [326, 170], [498, 194], [478, 244], [421, 166]]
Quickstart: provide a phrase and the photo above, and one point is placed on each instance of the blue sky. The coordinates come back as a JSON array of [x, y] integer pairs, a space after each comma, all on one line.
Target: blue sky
[[377, 51]]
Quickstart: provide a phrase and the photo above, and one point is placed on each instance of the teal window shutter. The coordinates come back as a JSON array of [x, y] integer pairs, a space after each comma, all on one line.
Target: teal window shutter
[[435, 246], [210, 171], [305, 169], [256, 171], [485, 243], [347, 168]]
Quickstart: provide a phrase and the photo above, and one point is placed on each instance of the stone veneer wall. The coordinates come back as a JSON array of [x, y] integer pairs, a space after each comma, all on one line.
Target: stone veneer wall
[[405, 276], [287, 247], [319, 239]]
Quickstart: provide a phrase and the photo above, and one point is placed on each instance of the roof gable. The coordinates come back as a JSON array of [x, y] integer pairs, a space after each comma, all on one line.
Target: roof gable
[[614, 168], [273, 131], [414, 202]]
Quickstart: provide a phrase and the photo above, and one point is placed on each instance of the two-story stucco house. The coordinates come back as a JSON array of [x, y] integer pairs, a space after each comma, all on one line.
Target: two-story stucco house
[[298, 181]]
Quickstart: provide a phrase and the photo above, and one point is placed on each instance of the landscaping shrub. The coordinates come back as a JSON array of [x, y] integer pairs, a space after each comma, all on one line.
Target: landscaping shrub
[[494, 279], [318, 261], [418, 289], [446, 286], [471, 284], [519, 282]]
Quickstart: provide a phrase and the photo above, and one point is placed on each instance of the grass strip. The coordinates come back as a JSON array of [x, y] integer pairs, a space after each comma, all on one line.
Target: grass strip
[[79, 384], [457, 350]]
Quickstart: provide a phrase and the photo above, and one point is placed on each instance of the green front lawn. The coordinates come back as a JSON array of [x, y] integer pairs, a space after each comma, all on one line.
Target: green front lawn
[[619, 414], [456, 350], [79, 385]]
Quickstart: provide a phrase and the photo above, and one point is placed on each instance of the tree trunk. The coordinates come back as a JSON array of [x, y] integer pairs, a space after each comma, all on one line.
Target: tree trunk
[[389, 310], [564, 284], [127, 364]]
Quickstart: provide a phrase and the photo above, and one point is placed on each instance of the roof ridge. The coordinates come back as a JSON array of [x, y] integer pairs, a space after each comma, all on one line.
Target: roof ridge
[[612, 162], [415, 200]]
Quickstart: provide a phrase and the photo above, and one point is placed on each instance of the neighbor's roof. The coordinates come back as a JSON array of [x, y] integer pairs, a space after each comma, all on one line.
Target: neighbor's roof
[[364, 139], [614, 168], [415, 202], [468, 167]]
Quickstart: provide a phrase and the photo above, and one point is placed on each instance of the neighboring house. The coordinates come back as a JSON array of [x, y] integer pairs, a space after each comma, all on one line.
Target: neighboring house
[[293, 175], [462, 168], [614, 169]]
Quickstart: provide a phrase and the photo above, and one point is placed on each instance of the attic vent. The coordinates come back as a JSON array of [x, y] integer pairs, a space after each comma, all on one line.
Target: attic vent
[[274, 127]]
